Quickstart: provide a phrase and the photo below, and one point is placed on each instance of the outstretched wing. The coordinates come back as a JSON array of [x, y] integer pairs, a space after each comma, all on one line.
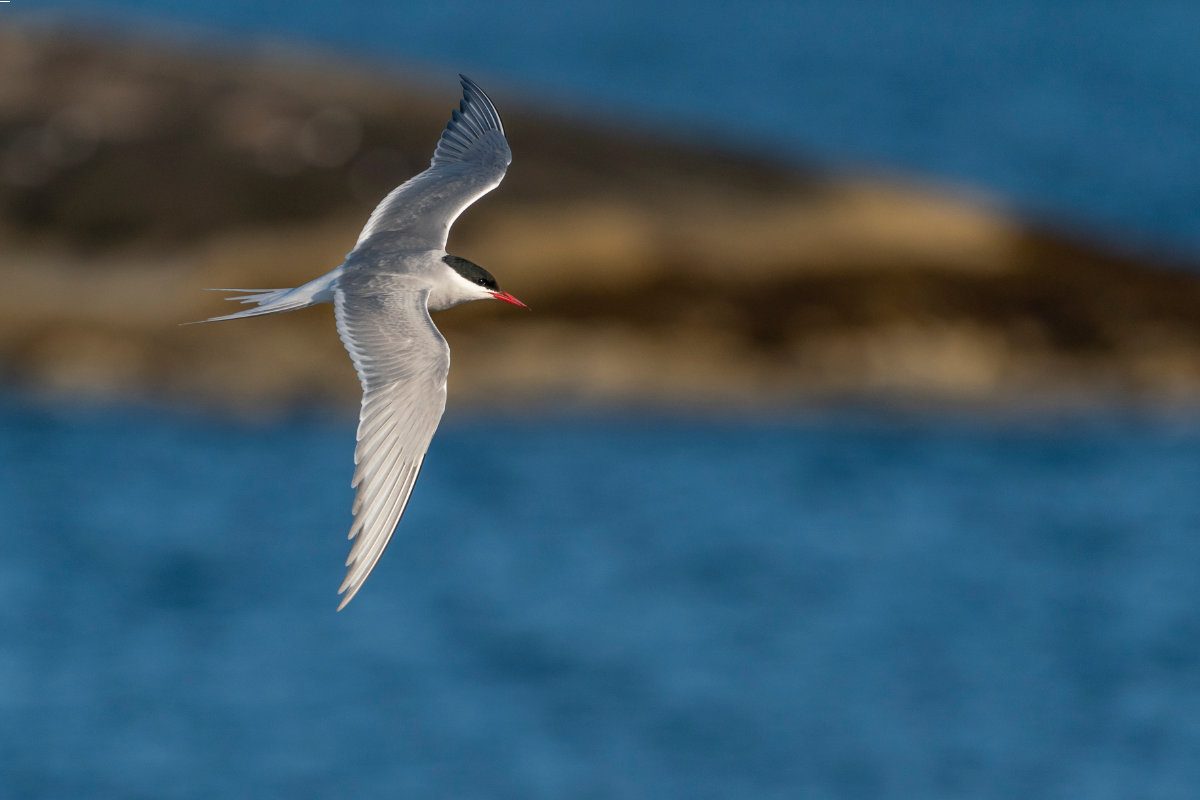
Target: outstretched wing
[[402, 362], [470, 160]]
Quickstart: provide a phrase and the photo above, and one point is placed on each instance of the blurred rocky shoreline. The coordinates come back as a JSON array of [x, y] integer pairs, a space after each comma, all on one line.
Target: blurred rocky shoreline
[[134, 174]]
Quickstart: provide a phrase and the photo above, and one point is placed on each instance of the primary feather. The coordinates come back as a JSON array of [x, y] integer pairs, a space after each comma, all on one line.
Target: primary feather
[[470, 160]]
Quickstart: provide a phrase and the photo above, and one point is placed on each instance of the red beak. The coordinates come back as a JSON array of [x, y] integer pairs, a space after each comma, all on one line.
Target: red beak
[[508, 298]]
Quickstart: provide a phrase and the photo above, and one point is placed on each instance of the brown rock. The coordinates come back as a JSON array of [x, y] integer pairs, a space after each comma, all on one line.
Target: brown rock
[[133, 175]]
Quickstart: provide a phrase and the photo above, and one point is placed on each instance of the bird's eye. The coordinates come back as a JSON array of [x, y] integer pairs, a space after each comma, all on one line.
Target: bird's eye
[[482, 281]]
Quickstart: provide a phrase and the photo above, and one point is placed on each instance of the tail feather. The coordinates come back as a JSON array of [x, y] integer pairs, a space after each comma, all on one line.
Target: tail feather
[[266, 301], [273, 301], [250, 293]]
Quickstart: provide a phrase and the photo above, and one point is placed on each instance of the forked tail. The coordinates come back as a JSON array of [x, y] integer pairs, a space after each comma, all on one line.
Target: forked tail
[[273, 301]]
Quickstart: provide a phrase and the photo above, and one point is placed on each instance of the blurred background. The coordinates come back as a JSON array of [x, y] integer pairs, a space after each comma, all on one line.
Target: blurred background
[[850, 449]]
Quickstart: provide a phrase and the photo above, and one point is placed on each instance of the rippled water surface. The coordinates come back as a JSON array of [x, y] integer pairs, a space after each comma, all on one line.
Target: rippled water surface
[[832, 606]]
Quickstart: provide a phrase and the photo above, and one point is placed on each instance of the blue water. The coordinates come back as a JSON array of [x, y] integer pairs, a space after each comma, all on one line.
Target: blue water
[[1085, 111], [833, 606]]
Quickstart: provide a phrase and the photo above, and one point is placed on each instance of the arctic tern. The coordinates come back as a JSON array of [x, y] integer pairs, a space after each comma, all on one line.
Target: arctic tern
[[382, 294]]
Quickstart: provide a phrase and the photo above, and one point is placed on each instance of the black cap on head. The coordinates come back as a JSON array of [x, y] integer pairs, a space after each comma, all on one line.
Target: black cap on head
[[472, 272]]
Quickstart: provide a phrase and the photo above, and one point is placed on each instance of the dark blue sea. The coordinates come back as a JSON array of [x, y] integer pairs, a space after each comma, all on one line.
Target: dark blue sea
[[1086, 113], [827, 605]]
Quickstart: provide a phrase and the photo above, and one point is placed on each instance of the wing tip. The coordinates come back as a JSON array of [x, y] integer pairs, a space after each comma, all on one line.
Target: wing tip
[[348, 591], [488, 106]]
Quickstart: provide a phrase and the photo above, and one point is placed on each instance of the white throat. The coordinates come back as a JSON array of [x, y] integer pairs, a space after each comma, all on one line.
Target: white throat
[[451, 289]]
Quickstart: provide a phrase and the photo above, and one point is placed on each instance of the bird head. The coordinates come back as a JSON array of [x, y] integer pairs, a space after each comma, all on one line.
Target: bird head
[[482, 284]]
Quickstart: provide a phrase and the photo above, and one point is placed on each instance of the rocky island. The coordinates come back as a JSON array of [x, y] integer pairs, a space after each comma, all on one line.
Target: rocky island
[[134, 174]]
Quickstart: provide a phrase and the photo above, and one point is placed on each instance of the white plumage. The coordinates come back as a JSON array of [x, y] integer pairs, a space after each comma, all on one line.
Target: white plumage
[[382, 294]]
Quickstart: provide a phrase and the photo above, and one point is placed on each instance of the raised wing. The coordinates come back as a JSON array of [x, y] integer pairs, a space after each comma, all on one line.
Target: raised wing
[[402, 362], [470, 160]]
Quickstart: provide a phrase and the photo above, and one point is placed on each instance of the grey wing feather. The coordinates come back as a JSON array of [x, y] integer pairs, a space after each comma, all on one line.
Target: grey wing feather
[[402, 361], [471, 158]]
